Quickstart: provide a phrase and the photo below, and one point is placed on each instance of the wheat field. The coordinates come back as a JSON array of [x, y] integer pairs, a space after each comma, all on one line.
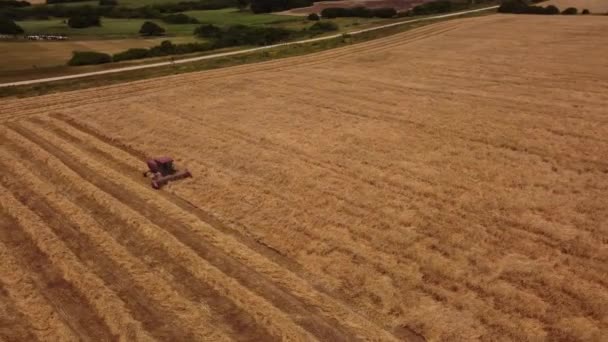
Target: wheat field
[[449, 183]]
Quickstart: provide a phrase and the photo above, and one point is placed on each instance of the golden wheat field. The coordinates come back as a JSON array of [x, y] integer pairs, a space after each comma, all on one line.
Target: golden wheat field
[[449, 183]]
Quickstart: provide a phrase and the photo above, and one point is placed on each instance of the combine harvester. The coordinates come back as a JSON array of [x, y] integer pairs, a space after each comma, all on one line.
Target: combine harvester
[[163, 172]]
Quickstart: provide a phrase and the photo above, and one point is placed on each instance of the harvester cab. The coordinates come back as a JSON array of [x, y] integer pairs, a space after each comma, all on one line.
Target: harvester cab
[[163, 171]]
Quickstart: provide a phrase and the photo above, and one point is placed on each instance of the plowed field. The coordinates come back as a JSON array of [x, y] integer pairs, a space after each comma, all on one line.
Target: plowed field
[[447, 183]]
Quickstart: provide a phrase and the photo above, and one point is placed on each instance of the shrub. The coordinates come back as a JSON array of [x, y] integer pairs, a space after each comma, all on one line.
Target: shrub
[[570, 11], [324, 26], [179, 18], [50, 2], [551, 10], [267, 6], [513, 6], [521, 7], [313, 17], [130, 54], [585, 11], [359, 12], [248, 35], [89, 58], [440, 6], [13, 3], [108, 3], [82, 21], [8, 26], [208, 31], [149, 28], [384, 12]]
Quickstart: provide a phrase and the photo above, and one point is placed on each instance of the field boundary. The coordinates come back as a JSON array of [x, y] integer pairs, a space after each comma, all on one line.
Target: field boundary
[[237, 52]]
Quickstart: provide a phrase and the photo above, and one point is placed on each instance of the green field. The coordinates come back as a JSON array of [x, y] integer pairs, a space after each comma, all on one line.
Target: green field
[[233, 16], [128, 28]]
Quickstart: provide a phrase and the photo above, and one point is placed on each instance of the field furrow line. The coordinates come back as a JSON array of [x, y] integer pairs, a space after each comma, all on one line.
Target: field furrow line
[[103, 209], [78, 99], [321, 98], [499, 237], [335, 232], [334, 237], [384, 182], [146, 296], [205, 261], [79, 297], [19, 286], [195, 232], [14, 325]]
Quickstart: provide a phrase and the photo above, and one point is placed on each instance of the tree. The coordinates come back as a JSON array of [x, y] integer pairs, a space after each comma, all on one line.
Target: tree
[[586, 11], [570, 11], [324, 26], [242, 4], [179, 18], [82, 21], [88, 58], [151, 29], [551, 10], [208, 31], [8, 26], [313, 17]]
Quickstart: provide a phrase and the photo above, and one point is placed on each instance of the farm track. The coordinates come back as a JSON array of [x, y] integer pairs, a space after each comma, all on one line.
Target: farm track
[[414, 190], [117, 92]]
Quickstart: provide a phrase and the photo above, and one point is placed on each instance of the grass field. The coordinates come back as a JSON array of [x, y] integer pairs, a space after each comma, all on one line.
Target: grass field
[[447, 183], [19, 56], [111, 28], [128, 28]]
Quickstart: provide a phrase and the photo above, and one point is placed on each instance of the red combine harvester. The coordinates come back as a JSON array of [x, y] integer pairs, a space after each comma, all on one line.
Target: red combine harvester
[[163, 172]]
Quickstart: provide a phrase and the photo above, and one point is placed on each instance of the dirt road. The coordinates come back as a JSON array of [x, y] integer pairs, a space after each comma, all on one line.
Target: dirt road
[[447, 183]]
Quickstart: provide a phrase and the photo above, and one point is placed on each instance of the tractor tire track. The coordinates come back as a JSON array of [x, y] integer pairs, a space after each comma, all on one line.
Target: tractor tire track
[[14, 325], [152, 312], [224, 311], [28, 298], [267, 289], [67, 300], [212, 262], [380, 260], [403, 258]]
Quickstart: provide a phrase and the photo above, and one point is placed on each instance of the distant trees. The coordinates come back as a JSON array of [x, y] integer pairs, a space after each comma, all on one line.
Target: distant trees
[[8, 26], [150, 28], [13, 3], [242, 35], [361, 12], [267, 6], [88, 58], [208, 31], [82, 21], [50, 2], [313, 17], [324, 26], [522, 7], [440, 6], [179, 18], [570, 11], [585, 11], [108, 3], [242, 4]]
